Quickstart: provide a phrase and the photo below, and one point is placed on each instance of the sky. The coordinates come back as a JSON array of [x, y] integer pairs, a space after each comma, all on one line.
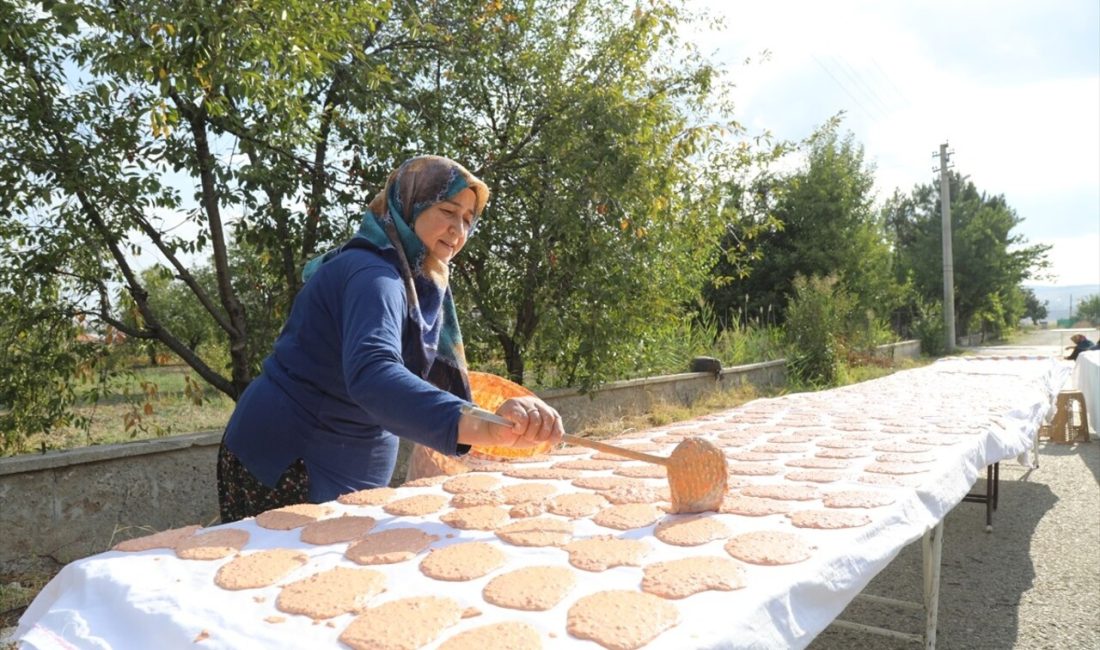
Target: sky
[[1012, 86]]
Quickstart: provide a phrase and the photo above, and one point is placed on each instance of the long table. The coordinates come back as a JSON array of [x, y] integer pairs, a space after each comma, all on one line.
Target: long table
[[941, 425]]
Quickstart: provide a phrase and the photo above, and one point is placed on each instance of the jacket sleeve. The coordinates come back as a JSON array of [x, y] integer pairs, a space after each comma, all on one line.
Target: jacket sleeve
[[377, 379]]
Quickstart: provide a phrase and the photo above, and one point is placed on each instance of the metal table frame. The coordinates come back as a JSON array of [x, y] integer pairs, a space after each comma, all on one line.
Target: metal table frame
[[932, 554]]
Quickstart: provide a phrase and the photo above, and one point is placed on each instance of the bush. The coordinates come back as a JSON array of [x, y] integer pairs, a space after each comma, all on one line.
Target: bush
[[816, 315], [928, 328]]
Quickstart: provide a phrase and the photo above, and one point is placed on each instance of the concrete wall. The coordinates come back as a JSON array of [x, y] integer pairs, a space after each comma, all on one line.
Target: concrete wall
[[901, 350], [61, 506]]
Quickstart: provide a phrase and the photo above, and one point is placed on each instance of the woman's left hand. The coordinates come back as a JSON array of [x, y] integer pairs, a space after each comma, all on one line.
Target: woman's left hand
[[535, 421]]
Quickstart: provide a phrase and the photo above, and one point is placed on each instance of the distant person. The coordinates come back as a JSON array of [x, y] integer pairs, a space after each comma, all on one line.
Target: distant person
[[1080, 344]]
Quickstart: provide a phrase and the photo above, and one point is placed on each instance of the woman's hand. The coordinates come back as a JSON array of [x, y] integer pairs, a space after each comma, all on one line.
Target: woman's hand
[[534, 423]]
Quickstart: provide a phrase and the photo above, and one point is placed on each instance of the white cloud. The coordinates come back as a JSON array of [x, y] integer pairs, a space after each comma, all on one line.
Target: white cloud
[[1075, 260], [1013, 86]]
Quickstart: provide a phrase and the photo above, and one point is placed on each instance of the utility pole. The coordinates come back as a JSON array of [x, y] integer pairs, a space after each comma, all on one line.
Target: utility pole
[[948, 261]]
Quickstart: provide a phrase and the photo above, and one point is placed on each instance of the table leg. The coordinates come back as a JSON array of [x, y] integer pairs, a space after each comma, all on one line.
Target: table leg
[[932, 547], [996, 484]]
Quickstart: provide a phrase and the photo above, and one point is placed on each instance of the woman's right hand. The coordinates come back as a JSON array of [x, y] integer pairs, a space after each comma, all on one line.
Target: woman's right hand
[[534, 423]]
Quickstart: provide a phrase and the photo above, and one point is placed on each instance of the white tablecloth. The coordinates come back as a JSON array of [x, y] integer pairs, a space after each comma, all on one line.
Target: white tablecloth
[[1086, 378], [988, 409]]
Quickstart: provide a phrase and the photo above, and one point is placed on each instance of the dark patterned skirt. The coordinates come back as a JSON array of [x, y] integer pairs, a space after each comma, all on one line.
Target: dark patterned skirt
[[241, 495]]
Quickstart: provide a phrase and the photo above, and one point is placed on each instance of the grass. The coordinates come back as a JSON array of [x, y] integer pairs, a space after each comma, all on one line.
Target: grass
[[140, 411], [662, 412], [152, 403], [17, 590]]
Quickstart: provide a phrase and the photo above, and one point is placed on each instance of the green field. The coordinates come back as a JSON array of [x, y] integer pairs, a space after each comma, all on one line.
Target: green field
[[151, 403]]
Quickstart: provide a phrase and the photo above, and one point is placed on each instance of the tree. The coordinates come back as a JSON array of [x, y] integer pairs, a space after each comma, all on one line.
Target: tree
[[231, 99], [598, 131], [1034, 309], [603, 177], [1088, 309], [823, 225], [989, 261], [36, 347]]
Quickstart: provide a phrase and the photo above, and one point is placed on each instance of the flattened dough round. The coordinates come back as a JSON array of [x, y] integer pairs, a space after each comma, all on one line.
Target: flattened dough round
[[627, 516], [815, 476], [337, 530], [416, 506], [751, 456], [858, 499], [619, 619], [536, 531], [769, 547], [750, 469], [545, 473], [290, 517], [475, 518], [684, 577], [330, 593], [818, 463], [526, 492], [643, 471], [464, 561], [753, 506], [478, 498], [690, 531], [529, 509], [840, 443], [588, 464], [513, 635], [901, 447], [213, 545], [828, 519], [643, 494], [369, 497], [603, 553], [403, 624], [389, 546], [470, 483], [576, 504], [783, 492], [259, 569], [426, 481], [895, 468], [163, 539], [843, 453], [533, 589], [606, 482]]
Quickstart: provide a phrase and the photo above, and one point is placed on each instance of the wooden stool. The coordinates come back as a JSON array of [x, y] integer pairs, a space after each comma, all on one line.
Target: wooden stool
[[1062, 428]]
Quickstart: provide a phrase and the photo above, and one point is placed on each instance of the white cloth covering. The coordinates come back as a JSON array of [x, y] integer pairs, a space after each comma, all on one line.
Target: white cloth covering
[[989, 408], [1086, 378]]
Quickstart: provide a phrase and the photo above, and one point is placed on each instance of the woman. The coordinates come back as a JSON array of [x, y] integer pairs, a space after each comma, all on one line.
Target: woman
[[371, 351], [1080, 344]]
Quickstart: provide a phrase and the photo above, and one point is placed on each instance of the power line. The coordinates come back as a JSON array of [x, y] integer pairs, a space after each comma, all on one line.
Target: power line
[[858, 103], [890, 81], [864, 86]]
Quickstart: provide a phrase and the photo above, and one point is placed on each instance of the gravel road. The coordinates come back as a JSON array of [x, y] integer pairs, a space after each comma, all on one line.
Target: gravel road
[[1034, 582]]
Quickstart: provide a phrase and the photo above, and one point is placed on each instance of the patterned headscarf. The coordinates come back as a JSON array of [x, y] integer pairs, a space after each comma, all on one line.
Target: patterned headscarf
[[387, 227]]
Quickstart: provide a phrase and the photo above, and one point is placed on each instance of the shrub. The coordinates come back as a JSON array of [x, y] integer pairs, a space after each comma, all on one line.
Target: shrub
[[816, 315], [928, 328]]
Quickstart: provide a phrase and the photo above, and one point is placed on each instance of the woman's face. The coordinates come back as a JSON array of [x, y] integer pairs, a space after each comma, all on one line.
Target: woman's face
[[443, 227]]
